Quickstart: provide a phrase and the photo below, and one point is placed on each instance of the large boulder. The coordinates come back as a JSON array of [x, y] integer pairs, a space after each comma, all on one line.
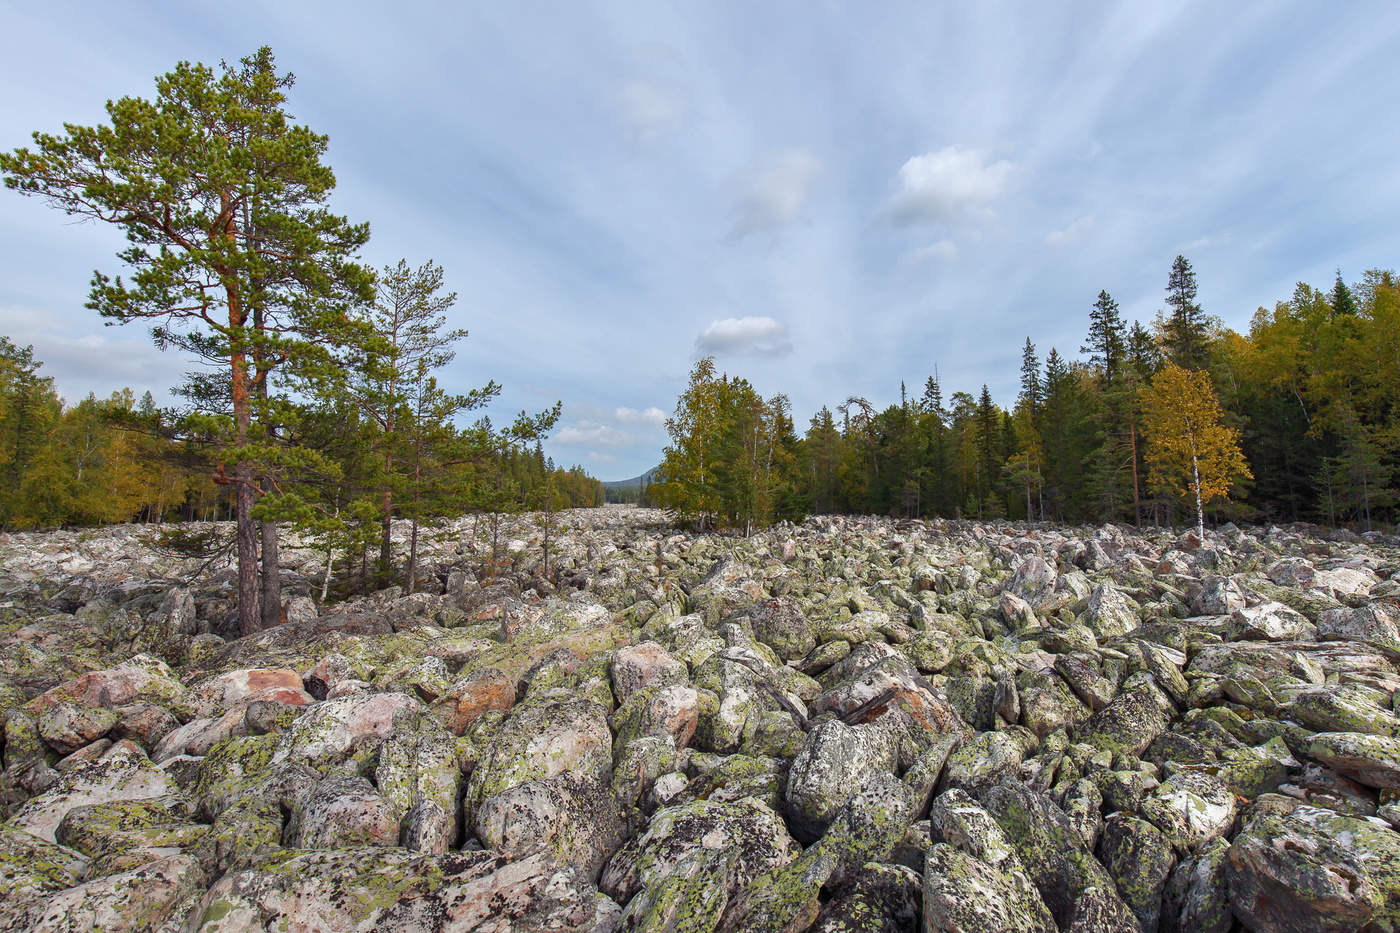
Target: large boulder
[[1076, 888], [571, 815], [1301, 868], [419, 772], [542, 739], [964, 894], [1376, 624], [332, 732], [754, 834], [391, 889], [130, 902], [124, 773], [779, 624], [832, 765], [342, 812]]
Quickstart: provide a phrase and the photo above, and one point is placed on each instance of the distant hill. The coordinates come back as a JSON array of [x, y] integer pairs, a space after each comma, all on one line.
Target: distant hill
[[635, 482]]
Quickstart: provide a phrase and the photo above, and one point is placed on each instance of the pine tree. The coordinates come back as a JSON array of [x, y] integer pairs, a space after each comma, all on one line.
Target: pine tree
[[234, 256]]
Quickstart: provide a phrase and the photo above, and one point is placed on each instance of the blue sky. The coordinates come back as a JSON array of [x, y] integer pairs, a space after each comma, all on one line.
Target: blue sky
[[829, 197]]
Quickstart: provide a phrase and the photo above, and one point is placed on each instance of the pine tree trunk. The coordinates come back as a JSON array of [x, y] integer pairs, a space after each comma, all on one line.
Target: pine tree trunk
[[271, 577], [247, 539]]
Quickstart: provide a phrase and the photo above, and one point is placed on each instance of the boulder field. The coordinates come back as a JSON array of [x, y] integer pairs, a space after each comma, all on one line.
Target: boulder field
[[851, 724]]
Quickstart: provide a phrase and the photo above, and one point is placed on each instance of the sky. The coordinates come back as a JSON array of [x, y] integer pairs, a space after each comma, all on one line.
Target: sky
[[829, 198]]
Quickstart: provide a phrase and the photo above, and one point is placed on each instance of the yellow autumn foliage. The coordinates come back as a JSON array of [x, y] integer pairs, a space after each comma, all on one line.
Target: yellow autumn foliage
[[1189, 450]]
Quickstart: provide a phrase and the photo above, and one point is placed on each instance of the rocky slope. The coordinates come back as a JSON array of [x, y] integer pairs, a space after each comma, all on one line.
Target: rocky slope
[[848, 725]]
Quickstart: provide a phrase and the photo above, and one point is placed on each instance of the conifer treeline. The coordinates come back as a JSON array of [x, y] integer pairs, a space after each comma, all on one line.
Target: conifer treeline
[[122, 459], [1310, 398]]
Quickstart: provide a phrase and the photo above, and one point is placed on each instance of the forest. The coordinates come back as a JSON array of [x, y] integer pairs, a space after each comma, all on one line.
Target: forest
[[317, 407], [1297, 420]]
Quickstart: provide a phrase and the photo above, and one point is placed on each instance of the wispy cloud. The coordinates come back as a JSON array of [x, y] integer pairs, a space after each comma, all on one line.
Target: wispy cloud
[[587, 433], [649, 109], [940, 251], [1075, 232], [745, 336], [947, 184], [776, 194], [653, 417]]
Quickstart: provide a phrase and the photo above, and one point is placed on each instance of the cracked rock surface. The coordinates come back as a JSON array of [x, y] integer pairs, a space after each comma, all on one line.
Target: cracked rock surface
[[851, 724]]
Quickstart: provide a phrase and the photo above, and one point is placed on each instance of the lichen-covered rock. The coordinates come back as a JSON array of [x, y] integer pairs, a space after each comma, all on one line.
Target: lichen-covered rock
[[123, 835], [981, 761], [781, 900], [868, 826], [1191, 808], [876, 899], [930, 650], [964, 894], [692, 896], [644, 665], [1302, 868], [1376, 624], [31, 870], [672, 710], [67, 727], [213, 696], [753, 832], [539, 740], [243, 769], [1373, 760], [1196, 899], [1132, 721], [135, 901], [418, 771], [466, 700], [331, 732], [1270, 621], [341, 812], [143, 678], [391, 889], [835, 761], [779, 623], [1072, 883], [1139, 859], [958, 820], [1110, 613], [124, 773], [572, 816], [1341, 708]]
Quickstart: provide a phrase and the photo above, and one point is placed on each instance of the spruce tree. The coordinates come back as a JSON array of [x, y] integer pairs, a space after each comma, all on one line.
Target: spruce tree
[[1185, 330], [1105, 343], [1031, 390], [1343, 302]]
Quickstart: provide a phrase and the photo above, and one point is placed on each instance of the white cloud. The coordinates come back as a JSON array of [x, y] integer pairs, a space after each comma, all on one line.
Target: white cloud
[[654, 417], [1075, 232], [601, 457], [752, 336], [943, 250], [650, 109], [593, 434], [776, 194], [945, 184], [101, 362]]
